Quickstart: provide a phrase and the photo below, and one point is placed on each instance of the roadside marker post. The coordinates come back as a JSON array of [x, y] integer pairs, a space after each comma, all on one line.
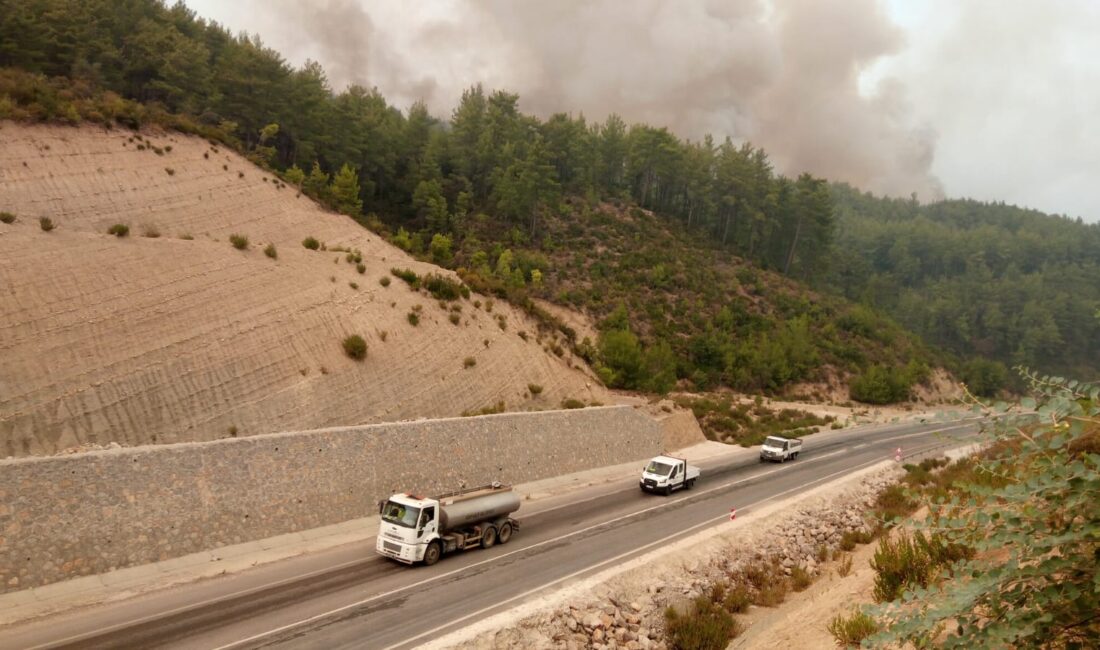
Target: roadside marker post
[[733, 514], [897, 455]]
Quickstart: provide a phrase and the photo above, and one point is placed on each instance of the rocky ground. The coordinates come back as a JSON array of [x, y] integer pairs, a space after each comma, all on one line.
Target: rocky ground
[[625, 608]]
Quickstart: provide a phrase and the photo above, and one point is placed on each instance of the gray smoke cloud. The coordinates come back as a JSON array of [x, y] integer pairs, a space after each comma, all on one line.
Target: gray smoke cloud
[[783, 74]]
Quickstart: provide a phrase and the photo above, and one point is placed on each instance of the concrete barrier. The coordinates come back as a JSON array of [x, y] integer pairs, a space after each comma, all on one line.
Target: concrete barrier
[[87, 513]]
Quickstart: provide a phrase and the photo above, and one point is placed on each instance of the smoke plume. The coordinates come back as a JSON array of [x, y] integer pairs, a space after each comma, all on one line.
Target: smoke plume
[[783, 74]]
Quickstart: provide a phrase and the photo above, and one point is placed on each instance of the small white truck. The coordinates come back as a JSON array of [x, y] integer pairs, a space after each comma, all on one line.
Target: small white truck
[[421, 529], [665, 473], [777, 449]]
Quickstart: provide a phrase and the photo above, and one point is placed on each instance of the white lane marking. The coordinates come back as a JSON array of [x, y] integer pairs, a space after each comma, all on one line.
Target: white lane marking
[[317, 617], [622, 556], [306, 576]]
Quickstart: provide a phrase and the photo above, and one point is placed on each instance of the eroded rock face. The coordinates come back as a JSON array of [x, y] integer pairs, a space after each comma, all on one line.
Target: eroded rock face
[[633, 617]]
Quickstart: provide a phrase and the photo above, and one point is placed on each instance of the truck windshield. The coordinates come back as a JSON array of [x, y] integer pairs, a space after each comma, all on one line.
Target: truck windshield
[[776, 442], [399, 514], [659, 468]]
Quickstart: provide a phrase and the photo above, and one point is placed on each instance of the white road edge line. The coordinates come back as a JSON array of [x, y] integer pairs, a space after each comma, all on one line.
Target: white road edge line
[[694, 494]]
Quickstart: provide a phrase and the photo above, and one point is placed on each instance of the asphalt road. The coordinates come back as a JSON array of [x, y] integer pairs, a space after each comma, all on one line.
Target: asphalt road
[[351, 598]]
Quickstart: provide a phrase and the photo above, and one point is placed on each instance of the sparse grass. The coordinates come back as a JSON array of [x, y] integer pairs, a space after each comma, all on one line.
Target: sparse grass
[[486, 410], [169, 171], [800, 578], [119, 230], [850, 538], [384, 281], [311, 243], [821, 553], [7, 217], [522, 334], [355, 347], [469, 362], [240, 174], [413, 318], [737, 599], [850, 630], [382, 335], [232, 431], [572, 403], [354, 285], [187, 236], [454, 318], [151, 232], [534, 389], [240, 242], [844, 565], [46, 224], [270, 251]]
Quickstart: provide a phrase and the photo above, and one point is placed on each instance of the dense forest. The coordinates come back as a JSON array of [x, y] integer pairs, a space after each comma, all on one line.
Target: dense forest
[[500, 194], [1003, 283]]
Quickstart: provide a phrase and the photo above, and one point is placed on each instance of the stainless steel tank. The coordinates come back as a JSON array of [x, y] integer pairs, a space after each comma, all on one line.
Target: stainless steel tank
[[477, 509]]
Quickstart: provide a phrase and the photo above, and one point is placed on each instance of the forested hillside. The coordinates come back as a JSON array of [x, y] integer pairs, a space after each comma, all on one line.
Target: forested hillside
[[560, 208], [1012, 285]]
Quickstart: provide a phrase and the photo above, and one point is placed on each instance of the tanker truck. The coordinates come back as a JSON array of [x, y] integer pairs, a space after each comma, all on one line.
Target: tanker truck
[[421, 529]]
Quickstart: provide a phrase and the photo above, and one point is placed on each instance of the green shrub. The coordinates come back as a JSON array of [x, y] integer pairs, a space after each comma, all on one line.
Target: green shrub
[[271, 252], [850, 631], [169, 171], [737, 599], [361, 268], [899, 565], [443, 288], [119, 230], [469, 362], [311, 243], [850, 538], [706, 626], [534, 389], [240, 242], [354, 285], [7, 217], [384, 281], [893, 503], [408, 275], [355, 347], [571, 403], [454, 318], [46, 224], [413, 318], [881, 385]]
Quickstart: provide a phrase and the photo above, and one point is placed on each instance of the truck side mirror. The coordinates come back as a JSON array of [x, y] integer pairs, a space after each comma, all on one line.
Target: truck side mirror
[[381, 506]]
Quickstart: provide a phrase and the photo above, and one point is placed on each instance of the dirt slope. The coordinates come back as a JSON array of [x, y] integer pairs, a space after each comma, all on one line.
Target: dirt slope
[[182, 337]]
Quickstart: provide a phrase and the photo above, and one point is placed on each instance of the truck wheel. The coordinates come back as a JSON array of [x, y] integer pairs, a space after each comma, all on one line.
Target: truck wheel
[[489, 537], [668, 490], [690, 484], [431, 554], [504, 533]]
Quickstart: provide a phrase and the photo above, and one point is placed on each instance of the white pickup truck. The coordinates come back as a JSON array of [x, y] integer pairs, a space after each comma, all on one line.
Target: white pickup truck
[[665, 473], [780, 449]]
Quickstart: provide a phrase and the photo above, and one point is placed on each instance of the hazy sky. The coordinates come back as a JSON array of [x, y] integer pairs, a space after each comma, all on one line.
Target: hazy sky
[[987, 99]]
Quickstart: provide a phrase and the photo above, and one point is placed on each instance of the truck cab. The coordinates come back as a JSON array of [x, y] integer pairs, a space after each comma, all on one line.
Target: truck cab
[[779, 449], [408, 525], [666, 473]]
